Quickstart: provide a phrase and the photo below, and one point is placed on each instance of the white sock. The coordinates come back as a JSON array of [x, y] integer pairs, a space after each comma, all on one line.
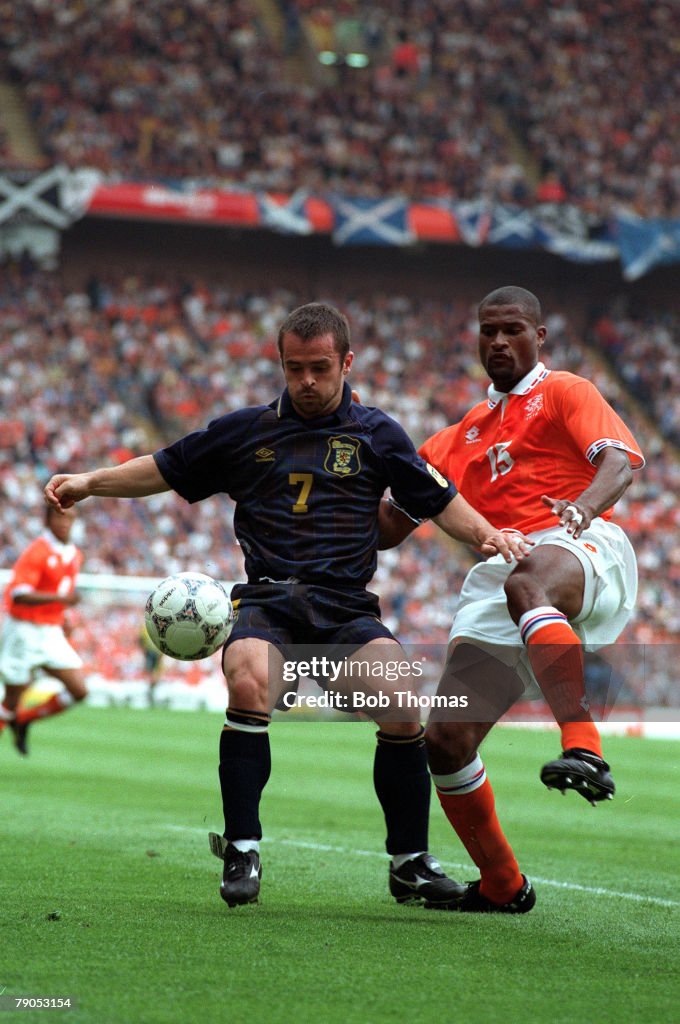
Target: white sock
[[400, 858], [246, 845], [469, 778]]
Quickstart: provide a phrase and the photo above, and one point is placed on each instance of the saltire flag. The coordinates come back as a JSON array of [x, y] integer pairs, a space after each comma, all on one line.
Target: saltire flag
[[474, 218], [36, 198], [288, 217], [360, 221], [644, 244]]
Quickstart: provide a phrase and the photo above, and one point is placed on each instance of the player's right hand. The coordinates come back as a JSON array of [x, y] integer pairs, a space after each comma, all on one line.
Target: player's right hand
[[513, 545], [575, 516], [65, 489]]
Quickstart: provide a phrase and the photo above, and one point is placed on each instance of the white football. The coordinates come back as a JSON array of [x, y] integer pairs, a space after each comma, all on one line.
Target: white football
[[189, 616]]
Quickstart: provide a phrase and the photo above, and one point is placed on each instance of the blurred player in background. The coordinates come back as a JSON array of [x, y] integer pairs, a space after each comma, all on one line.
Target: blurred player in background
[[546, 455], [307, 473], [153, 663], [40, 589]]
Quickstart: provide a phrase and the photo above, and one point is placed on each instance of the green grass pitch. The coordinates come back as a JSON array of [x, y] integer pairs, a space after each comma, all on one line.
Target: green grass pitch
[[110, 894]]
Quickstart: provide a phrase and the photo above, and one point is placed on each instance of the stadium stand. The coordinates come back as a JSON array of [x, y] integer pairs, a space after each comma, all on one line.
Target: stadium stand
[[643, 350], [512, 101]]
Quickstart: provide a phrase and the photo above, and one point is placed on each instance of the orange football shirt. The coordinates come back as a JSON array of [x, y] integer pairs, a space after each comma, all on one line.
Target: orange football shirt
[[540, 438], [45, 566]]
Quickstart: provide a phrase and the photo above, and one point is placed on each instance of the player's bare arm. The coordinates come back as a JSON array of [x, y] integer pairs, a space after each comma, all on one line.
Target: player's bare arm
[[612, 479], [462, 522], [394, 526], [134, 479]]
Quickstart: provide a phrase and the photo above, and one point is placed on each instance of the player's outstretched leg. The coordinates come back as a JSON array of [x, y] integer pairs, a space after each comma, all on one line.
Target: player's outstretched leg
[[53, 705], [582, 771], [75, 691], [556, 656], [402, 784]]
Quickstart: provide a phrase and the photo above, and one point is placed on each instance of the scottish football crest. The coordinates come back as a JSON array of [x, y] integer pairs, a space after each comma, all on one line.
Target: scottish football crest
[[343, 456]]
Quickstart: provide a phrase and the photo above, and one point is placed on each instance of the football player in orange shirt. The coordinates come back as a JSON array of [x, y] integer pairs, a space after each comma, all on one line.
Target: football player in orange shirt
[[40, 589], [544, 454]]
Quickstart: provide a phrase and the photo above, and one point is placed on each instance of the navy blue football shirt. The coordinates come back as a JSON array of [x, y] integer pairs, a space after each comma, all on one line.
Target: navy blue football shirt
[[306, 490]]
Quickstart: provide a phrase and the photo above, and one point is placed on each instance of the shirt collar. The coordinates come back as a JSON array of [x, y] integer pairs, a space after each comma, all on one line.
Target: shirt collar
[[285, 408], [522, 387], [58, 545]]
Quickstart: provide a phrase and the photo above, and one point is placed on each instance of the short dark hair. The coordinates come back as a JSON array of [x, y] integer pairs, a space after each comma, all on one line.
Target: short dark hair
[[512, 295], [314, 319]]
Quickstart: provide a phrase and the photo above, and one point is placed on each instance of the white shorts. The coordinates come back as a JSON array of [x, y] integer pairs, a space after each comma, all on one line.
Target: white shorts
[[609, 594], [26, 647]]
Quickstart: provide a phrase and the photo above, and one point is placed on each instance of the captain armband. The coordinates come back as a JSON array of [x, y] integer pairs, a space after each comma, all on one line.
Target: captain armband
[[401, 509]]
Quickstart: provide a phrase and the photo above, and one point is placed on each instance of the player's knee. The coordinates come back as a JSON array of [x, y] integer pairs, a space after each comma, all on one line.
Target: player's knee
[[246, 690], [450, 745], [522, 593], [245, 693]]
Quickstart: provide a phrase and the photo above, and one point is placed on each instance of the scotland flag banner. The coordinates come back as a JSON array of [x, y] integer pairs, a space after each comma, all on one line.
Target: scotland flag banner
[[644, 244], [53, 199], [556, 228], [285, 214], [371, 221]]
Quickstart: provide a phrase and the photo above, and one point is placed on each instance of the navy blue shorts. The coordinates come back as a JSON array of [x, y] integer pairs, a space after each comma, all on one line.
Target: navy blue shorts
[[298, 614]]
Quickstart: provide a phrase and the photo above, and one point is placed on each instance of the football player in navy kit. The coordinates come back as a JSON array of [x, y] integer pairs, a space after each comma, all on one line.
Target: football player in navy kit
[[307, 473]]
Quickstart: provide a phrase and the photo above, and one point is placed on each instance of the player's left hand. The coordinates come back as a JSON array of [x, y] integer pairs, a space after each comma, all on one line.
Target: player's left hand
[[574, 516], [511, 544]]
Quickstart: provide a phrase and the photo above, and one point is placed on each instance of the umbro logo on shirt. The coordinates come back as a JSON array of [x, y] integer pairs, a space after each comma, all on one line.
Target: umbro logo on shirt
[[264, 455]]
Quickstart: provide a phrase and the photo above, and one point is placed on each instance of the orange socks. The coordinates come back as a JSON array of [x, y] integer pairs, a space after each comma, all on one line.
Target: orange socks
[[556, 656], [468, 802], [582, 736], [52, 706]]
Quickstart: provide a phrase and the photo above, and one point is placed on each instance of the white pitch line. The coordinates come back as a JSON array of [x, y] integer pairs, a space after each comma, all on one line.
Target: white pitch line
[[572, 886]]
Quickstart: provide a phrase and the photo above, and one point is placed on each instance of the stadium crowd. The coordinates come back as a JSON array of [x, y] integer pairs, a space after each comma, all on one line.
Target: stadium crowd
[[643, 350], [129, 363], [522, 102]]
